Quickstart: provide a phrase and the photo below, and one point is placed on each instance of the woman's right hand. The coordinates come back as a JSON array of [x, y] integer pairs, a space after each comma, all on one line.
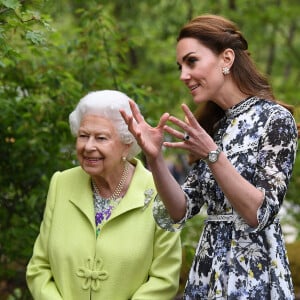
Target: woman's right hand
[[150, 139]]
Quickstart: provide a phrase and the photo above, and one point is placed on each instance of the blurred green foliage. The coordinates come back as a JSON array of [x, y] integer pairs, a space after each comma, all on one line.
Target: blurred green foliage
[[293, 254], [53, 53]]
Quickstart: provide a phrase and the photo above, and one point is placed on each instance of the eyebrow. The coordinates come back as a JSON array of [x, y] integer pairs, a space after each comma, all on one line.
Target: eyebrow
[[186, 56]]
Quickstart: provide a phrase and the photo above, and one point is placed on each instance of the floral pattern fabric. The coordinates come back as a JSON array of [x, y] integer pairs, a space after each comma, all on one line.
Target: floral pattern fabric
[[103, 210], [234, 260]]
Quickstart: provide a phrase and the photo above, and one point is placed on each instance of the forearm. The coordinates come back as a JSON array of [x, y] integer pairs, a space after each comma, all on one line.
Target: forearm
[[38, 274], [40, 282], [243, 196], [49, 291], [168, 188], [164, 273]]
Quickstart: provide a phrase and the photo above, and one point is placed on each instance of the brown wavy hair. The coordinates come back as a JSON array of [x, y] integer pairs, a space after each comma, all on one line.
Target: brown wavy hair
[[218, 33]]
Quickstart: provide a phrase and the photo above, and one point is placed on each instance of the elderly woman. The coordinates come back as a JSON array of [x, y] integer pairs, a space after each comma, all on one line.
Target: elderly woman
[[98, 238]]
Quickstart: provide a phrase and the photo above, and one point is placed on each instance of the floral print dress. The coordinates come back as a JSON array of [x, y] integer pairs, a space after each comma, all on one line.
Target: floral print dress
[[234, 260]]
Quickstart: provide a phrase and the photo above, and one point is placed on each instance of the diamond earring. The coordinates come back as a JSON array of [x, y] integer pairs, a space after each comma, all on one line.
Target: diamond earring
[[225, 70]]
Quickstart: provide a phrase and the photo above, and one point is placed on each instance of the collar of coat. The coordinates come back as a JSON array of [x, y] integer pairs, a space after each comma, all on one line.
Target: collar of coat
[[137, 195]]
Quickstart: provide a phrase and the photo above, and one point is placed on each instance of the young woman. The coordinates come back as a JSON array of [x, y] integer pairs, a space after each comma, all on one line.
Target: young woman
[[243, 145]]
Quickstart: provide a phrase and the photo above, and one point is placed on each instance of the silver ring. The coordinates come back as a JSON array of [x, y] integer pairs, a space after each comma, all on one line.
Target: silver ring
[[186, 137]]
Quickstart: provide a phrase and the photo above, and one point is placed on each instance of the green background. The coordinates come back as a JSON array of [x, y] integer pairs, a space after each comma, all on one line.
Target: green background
[[54, 52]]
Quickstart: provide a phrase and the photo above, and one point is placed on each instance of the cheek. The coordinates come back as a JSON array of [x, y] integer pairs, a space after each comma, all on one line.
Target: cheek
[[79, 155], [79, 147], [206, 70], [214, 74]]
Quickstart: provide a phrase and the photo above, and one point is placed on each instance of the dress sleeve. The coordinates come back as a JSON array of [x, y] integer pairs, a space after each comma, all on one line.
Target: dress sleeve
[[275, 162], [195, 199], [38, 274], [164, 273]]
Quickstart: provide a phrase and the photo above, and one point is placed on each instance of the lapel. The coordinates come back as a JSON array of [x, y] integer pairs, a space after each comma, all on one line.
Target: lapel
[[135, 196], [82, 196]]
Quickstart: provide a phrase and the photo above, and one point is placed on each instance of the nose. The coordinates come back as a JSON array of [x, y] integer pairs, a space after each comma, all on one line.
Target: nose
[[90, 144], [185, 74]]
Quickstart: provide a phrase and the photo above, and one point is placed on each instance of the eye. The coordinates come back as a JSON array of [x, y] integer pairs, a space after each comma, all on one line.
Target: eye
[[191, 60], [101, 138], [179, 67]]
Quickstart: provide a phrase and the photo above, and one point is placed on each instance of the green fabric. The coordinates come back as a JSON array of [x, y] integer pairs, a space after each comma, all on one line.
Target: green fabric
[[132, 258]]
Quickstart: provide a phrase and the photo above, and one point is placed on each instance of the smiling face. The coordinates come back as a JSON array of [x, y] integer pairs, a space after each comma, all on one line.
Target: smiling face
[[201, 70], [99, 148]]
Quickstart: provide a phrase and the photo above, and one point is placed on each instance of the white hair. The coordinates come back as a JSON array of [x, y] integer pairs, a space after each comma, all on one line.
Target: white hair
[[107, 104]]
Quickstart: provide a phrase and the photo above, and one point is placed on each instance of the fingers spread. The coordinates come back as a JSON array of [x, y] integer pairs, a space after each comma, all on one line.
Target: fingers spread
[[163, 120], [125, 116], [173, 132], [135, 111], [189, 116], [179, 123]]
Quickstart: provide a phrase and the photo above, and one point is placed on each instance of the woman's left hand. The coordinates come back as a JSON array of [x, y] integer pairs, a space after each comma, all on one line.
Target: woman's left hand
[[194, 138]]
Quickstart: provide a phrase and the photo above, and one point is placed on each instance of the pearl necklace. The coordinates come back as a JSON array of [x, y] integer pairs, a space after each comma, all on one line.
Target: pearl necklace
[[117, 192]]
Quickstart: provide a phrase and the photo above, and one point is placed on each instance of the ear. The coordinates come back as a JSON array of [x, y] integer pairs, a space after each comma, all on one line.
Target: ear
[[126, 149], [228, 57]]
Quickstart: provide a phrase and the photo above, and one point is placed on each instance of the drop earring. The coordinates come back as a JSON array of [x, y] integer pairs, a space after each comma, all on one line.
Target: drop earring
[[225, 70]]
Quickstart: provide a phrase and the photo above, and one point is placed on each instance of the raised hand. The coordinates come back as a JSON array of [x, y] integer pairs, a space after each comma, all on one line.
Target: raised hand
[[149, 138], [198, 143]]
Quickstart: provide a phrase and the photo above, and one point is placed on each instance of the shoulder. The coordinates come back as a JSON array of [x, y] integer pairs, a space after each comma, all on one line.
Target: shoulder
[[72, 183], [75, 175], [70, 173], [141, 171], [278, 123], [269, 108], [277, 113], [267, 113]]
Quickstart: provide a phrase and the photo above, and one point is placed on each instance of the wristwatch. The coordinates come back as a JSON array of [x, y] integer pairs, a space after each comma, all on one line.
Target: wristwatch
[[213, 155]]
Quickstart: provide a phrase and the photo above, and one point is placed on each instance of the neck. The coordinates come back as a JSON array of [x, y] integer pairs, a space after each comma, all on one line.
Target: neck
[[117, 193], [230, 96]]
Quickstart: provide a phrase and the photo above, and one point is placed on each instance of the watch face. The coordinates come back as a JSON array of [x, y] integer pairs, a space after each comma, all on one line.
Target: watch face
[[213, 156]]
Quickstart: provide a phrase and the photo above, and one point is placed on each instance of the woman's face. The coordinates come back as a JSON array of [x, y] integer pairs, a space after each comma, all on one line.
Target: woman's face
[[201, 70], [98, 146]]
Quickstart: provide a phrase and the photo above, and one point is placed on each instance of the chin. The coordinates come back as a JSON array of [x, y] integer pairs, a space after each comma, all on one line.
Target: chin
[[199, 99], [90, 170]]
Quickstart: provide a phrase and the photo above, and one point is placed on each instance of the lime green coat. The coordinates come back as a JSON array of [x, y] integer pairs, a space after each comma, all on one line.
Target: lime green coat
[[132, 258]]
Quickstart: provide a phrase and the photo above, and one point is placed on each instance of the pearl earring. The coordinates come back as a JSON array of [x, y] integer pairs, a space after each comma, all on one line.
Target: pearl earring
[[225, 70], [123, 158]]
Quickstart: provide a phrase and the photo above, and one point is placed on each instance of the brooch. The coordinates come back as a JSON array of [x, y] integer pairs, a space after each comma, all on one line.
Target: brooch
[[148, 196]]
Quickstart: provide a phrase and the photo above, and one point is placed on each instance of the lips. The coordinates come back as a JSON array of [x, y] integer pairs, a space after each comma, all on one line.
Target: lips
[[193, 87], [92, 159]]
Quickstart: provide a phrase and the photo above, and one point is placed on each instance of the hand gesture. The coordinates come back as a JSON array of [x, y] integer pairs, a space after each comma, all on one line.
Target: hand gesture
[[194, 138], [150, 139]]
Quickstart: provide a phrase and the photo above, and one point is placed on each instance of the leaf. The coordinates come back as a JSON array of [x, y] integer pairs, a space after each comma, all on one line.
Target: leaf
[[13, 4], [36, 37]]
